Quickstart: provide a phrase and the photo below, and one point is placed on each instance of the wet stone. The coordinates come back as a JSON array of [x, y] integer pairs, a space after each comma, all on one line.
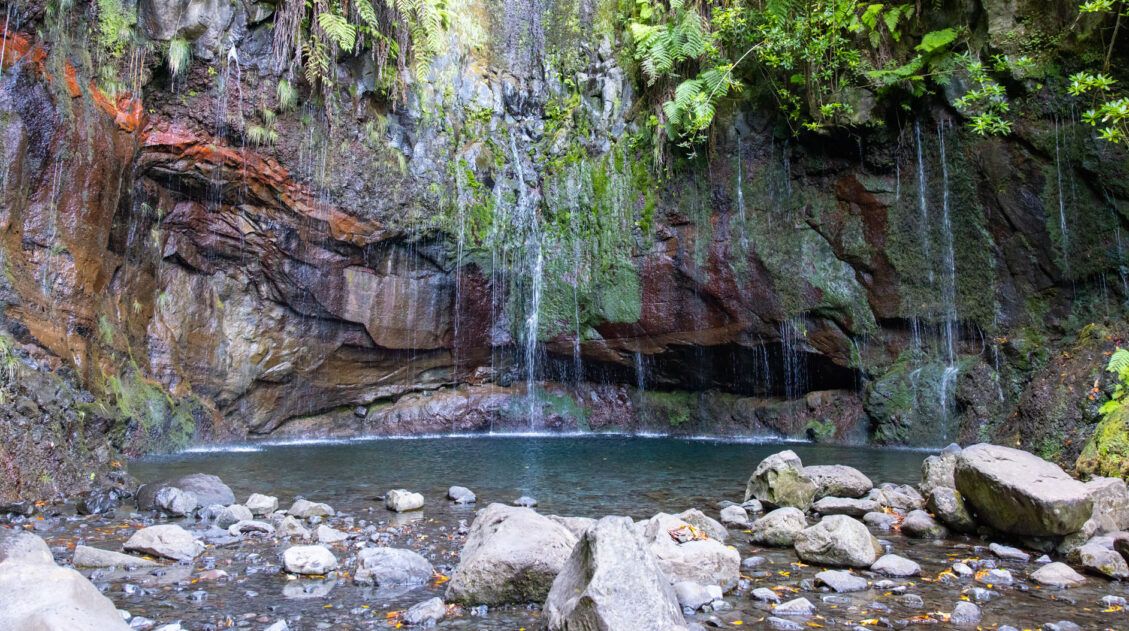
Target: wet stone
[[842, 581]]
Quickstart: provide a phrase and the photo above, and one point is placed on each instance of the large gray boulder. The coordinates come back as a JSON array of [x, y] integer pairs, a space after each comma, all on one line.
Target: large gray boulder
[[949, 507], [612, 581], [836, 480], [778, 528], [208, 490], [512, 554], [392, 566], [685, 553], [838, 540], [168, 541], [938, 471], [779, 481], [1019, 493], [1111, 504], [37, 595], [175, 502]]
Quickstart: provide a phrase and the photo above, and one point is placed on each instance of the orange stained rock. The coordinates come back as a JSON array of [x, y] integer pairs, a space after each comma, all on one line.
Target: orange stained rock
[[126, 110]]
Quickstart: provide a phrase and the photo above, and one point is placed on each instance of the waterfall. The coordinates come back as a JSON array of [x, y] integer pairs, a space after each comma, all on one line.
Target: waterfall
[[460, 244], [740, 195], [530, 227], [794, 359], [923, 204], [1061, 202], [640, 372], [948, 292]]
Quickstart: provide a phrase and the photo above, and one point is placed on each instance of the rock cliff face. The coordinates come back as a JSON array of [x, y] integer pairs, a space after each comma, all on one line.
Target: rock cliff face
[[499, 247]]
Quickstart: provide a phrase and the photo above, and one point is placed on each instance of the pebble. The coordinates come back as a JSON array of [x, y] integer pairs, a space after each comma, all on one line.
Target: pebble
[[995, 577], [766, 595], [912, 601], [894, 565], [753, 562], [962, 569], [780, 624], [842, 581]]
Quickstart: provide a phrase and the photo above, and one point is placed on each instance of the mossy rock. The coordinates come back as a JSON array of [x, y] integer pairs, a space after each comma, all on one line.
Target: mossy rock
[[1107, 452]]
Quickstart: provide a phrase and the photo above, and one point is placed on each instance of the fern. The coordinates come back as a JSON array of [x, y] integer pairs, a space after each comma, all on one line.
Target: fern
[[179, 56], [338, 30], [287, 95]]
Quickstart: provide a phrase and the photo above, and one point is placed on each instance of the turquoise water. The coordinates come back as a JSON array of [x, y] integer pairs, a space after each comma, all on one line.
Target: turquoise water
[[583, 475]]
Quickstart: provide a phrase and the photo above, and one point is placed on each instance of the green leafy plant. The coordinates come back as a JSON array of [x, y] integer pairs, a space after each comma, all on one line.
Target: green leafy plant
[[179, 56], [985, 102], [1108, 109], [1107, 451], [287, 95], [115, 26]]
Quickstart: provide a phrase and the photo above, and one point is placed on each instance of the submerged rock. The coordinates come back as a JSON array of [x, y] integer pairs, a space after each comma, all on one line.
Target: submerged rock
[[837, 481], [779, 481], [426, 613], [612, 581], [169, 541], [461, 495], [305, 509], [842, 581], [1019, 493], [86, 556], [511, 555], [838, 540], [38, 595], [896, 566], [392, 566]]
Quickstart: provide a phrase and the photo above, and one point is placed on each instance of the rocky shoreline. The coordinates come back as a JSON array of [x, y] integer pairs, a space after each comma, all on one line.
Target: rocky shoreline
[[990, 537]]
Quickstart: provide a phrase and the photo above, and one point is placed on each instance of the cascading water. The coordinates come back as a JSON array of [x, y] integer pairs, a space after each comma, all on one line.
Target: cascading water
[[530, 228], [793, 358], [948, 292], [1064, 232]]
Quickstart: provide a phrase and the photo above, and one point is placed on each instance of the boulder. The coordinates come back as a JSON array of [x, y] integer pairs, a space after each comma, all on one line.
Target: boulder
[[308, 560], [575, 525], [779, 481], [1019, 493], [1111, 504], [1098, 559], [173, 501], [168, 541], [38, 595], [838, 540], [778, 528], [937, 472], [902, 497], [837, 480], [86, 556], [844, 506], [261, 505], [1057, 575], [612, 581], [512, 555], [734, 516], [949, 507], [426, 613], [402, 501], [1009, 553], [686, 553], [461, 495], [794, 607], [305, 509], [921, 525], [896, 566], [208, 490], [233, 514], [693, 596], [99, 502], [392, 566], [880, 521], [708, 525], [288, 526]]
